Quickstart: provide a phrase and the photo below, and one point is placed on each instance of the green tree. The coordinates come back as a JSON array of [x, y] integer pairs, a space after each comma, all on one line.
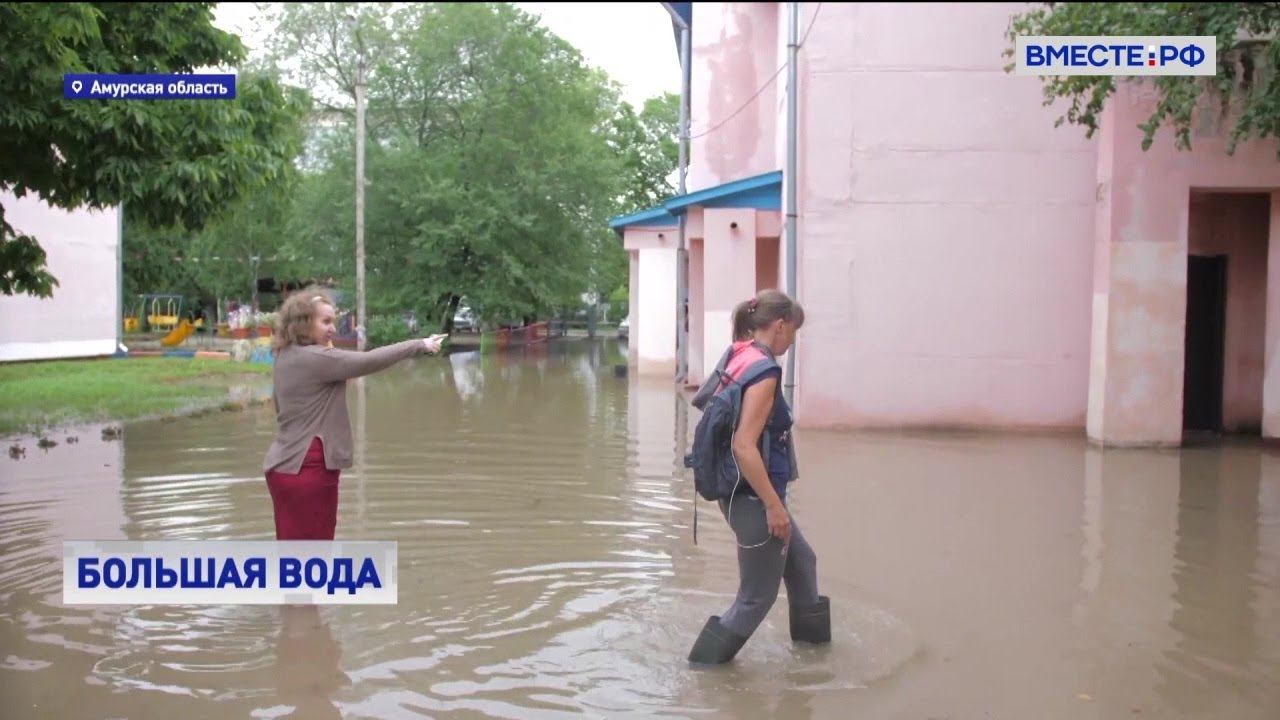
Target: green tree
[[488, 155], [647, 144], [1245, 85], [227, 256], [173, 162], [152, 262], [319, 43]]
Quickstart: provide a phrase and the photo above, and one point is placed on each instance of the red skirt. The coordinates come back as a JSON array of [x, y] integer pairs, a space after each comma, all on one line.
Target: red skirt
[[306, 504]]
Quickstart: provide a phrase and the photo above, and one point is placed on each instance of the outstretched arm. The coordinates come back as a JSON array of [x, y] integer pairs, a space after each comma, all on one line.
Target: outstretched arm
[[334, 365]]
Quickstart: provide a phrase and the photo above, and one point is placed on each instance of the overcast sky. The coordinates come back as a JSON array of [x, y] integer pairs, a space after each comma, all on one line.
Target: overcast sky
[[632, 42]]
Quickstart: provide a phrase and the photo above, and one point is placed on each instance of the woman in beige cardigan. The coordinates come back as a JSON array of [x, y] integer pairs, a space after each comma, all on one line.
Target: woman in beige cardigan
[[313, 438]]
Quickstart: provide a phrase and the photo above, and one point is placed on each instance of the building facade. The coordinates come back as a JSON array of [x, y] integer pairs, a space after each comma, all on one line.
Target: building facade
[[82, 318], [963, 263]]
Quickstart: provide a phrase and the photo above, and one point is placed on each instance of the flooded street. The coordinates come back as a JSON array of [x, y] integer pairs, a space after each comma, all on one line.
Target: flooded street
[[547, 567]]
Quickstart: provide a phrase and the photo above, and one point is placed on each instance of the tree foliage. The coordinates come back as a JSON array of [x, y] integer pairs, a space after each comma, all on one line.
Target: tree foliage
[[254, 238], [647, 143], [493, 156], [1245, 86], [171, 162]]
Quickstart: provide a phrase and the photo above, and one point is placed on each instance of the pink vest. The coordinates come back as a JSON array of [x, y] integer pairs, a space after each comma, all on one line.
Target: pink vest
[[744, 355]]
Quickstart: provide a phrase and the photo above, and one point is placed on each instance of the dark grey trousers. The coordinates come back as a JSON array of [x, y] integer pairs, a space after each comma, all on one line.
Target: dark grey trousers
[[761, 569]]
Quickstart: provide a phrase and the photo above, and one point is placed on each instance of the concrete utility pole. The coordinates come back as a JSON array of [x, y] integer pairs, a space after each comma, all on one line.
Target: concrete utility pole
[[793, 54], [682, 253], [360, 70]]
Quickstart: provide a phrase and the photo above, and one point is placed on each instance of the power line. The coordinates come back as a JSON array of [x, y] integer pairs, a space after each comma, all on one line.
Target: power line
[[763, 87], [811, 21], [750, 100]]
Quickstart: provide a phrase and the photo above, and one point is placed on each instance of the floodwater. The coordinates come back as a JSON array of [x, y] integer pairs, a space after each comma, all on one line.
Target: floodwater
[[547, 567]]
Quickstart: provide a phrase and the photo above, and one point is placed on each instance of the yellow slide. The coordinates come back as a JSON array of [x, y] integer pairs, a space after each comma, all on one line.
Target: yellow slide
[[179, 334]]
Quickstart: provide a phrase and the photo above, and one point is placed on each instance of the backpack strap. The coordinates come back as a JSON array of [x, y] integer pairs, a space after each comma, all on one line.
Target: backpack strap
[[794, 469], [695, 516], [753, 371], [713, 381]]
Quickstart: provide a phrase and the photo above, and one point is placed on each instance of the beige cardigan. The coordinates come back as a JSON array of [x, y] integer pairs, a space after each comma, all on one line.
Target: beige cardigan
[[311, 400]]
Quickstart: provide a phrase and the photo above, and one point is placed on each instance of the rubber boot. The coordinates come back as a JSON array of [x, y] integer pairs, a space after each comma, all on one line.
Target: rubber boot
[[716, 645], [812, 624]]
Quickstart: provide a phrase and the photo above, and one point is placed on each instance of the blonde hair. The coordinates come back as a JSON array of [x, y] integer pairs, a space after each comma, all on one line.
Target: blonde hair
[[297, 315]]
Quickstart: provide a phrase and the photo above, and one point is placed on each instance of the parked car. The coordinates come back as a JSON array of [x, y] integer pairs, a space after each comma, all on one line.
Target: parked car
[[464, 320], [624, 327]]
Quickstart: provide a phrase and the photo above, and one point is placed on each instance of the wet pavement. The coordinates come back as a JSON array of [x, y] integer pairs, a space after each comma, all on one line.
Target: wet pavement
[[547, 567]]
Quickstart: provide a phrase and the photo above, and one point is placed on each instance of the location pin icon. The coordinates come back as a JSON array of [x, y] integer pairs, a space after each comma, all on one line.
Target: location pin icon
[[76, 85]]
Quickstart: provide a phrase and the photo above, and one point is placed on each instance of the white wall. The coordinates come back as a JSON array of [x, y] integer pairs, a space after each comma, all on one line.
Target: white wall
[[656, 328], [82, 253]]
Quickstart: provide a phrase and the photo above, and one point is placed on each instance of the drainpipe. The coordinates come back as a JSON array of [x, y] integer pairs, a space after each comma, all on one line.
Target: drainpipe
[[789, 180], [682, 254]]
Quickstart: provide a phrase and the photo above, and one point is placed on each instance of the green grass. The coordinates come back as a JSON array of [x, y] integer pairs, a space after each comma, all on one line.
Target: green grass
[[40, 395]]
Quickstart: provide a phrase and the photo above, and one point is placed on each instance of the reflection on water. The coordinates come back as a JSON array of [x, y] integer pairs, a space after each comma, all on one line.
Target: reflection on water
[[547, 567], [307, 666]]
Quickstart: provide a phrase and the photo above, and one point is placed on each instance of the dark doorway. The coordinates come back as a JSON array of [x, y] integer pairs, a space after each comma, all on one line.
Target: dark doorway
[[1205, 343]]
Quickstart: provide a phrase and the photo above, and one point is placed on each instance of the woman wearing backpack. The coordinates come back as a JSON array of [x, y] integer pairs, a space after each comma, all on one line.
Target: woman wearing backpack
[[771, 549]]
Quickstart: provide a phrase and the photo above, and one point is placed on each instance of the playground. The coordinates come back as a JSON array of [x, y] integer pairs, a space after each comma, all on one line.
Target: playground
[[164, 325], [176, 365]]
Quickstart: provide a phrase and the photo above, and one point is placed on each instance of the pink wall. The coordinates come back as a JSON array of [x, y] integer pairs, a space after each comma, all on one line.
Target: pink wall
[[729, 257], [1271, 363], [965, 263], [1143, 227], [696, 309], [767, 276], [1236, 225], [766, 227], [729, 274], [734, 53], [945, 227]]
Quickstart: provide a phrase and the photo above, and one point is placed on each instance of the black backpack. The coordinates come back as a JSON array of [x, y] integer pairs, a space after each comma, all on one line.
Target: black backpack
[[715, 469]]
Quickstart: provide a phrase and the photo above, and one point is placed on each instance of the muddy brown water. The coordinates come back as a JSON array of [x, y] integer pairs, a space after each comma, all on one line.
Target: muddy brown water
[[547, 567]]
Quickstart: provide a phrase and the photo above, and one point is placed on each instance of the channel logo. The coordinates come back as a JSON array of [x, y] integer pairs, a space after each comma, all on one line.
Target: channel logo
[[1117, 56]]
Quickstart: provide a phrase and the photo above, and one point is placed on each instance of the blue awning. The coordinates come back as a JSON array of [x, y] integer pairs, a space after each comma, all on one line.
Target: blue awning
[[653, 217], [681, 17], [761, 192]]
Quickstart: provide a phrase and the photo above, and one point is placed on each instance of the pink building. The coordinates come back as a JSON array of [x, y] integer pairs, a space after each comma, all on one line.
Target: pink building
[[963, 263]]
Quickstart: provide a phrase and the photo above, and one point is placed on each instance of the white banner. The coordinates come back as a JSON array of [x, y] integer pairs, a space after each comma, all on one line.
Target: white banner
[[1117, 55], [216, 572]]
